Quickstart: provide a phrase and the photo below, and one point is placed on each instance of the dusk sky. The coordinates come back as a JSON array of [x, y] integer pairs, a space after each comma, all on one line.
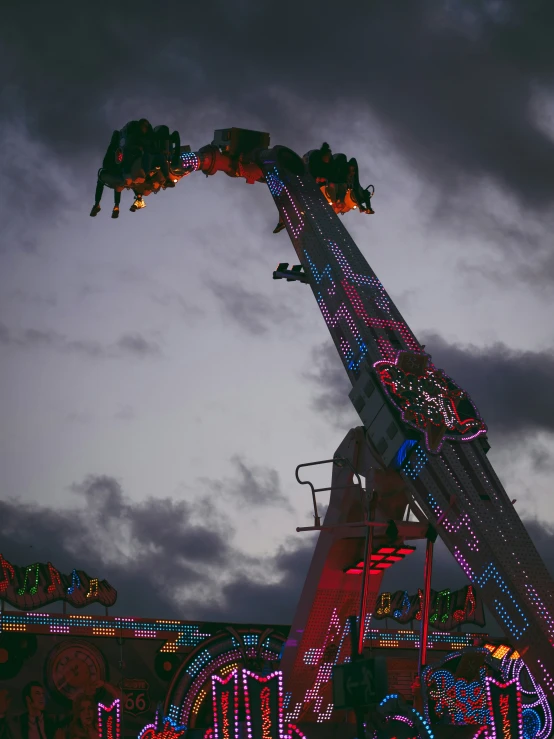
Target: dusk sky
[[157, 386]]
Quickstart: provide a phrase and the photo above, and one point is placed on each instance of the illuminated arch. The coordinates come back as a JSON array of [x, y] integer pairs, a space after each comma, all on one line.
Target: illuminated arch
[[254, 648]]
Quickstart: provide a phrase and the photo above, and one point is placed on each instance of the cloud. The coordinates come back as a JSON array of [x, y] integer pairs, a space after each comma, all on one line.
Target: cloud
[[128, 345], [329, 378], [511, 388], [166, 557], [252, 311], [457, 86], [137, 346], [254, 485]]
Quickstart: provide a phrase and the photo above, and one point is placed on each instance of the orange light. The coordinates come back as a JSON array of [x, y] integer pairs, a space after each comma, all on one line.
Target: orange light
[[502, 651]]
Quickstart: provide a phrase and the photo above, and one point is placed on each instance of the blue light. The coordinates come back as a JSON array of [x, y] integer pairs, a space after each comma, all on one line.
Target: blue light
[[402, 453], [413, 468], [532, 723]]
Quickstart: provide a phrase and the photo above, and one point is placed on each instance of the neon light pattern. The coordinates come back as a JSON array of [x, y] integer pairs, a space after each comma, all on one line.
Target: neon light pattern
[[75, 582], [411, 466], [222, 691], [422, 725], [343, 314], [534, 700], [169, 729], [109, 720], [93, 588], [462, 615], [8, 573], [383, 608], [503, 721], [463, 702], [455, 527], [442, 595], [267, 726], [191, 162], [405, 607], [33, 589], [429, 401], [55, 579], [542, 611], [490, 572], [380, 297], [277, 187], [385, 324]]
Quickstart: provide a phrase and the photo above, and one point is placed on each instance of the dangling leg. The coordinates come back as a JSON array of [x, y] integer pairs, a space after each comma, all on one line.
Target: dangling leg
[[359, 195], [97, 198], [116, 202]]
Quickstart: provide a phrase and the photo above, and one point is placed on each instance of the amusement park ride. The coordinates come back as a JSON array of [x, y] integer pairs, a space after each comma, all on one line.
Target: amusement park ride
[[420, 453]]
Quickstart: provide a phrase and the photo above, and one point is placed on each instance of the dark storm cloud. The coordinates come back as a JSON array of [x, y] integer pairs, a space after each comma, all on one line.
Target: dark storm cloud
[[133, 545], [155, 553], [255, 485], [252, 311], [272, 598], [132, 345], [453, 83], [511, 388]]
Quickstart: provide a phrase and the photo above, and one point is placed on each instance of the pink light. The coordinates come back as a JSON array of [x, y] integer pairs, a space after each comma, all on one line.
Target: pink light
[[108, 713], [274, 675], [293, 729], [232, 677]]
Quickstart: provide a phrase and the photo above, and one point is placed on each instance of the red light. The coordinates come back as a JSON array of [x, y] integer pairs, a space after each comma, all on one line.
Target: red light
[[375, 572], [394, 558], [353, 571], [377, 557], [387, 550], [405, 551], [384, 565]]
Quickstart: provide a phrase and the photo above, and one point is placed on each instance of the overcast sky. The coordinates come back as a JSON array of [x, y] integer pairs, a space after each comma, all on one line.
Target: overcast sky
[[157, 387]]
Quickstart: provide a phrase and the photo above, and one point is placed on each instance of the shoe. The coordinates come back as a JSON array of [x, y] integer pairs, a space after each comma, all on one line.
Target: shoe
[[115, 212], [279, 227], [133, 208], [169, 183], [95, 210]]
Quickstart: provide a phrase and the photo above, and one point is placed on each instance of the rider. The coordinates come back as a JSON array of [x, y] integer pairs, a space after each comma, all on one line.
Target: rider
[[136, 140], [164, 147], [109, 174], [332, 170]]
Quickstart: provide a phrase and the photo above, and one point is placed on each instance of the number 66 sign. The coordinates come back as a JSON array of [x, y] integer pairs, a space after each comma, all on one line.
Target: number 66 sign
[[135, 696]]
